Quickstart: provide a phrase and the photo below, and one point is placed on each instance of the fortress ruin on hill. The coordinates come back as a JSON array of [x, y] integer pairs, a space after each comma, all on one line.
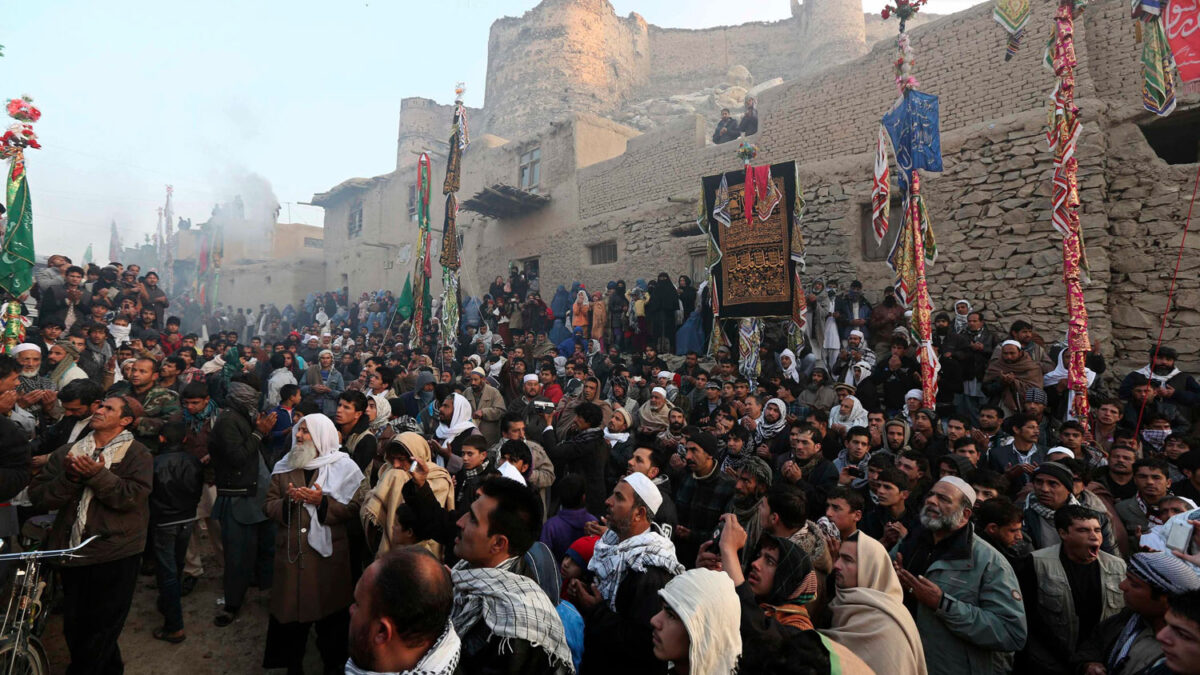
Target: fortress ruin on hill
[[585, 161]]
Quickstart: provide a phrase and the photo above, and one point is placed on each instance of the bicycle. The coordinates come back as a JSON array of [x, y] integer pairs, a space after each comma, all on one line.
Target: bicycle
[[21, 650]]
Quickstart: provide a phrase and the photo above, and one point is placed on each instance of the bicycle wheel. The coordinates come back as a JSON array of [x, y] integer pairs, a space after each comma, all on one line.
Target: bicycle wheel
[[30, 660]]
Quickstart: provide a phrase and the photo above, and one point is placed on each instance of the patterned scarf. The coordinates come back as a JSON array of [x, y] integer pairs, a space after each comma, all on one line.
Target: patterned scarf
[[513, 607], [1045, 512], [1153, 514], [612, 558], [111, 453], [196, 421], [441, 659]]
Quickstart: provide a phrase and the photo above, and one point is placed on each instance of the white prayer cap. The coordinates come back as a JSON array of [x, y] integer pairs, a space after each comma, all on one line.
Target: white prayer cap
[[1060, 450], [962, 486], [1011, 342], [915, 393], [479, 372], [646, 489], [529, 378], [26, 347], [665, 374], [856, 333], [659, 390], [510, 472]]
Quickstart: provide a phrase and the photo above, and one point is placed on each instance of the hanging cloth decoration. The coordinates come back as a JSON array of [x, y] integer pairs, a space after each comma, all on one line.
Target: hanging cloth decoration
[[422, 299], [758, 192], [1158, 64], [1182, 23], [1063, 138], [796, 331], [1013, 15], [450, 258], [881, 202], [749, 340]]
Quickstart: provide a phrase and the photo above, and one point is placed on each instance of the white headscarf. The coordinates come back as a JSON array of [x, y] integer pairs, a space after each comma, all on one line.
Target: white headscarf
[[708, 605], [337, 474], [960, 320], [856, 418], [460, 421], [790, 372], [383, 412], [1059, 374]]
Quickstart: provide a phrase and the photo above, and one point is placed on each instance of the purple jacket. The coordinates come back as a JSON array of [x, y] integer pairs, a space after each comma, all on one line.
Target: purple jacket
[[564, 528]]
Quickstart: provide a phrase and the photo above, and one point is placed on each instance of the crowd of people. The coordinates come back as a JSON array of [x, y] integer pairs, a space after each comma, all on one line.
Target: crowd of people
[[557, 491]]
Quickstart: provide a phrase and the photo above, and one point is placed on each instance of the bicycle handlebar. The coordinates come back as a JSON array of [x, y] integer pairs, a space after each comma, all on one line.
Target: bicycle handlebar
[[40, 555]]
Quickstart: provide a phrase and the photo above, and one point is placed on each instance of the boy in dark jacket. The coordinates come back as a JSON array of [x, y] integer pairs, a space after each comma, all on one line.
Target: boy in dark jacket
[[178, 482]]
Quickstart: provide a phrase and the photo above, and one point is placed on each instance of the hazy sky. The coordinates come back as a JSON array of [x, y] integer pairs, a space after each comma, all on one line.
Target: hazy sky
[[139, 94]]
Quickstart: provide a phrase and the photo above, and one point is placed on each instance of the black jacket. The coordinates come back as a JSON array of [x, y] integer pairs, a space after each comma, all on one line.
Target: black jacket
[[178, 482], [236, 449], [14, 459], [621, 641], [586, 454]]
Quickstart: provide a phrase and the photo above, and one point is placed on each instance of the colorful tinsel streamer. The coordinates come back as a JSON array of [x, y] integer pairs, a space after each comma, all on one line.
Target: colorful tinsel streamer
[[1013, 15], [1063, 138]]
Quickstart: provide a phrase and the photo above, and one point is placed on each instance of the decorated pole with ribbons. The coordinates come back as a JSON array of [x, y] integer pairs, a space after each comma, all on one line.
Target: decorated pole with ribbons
[[420, 286], [912, 127], [16, 253], [450, 258], [1063, 137], [167, 256]]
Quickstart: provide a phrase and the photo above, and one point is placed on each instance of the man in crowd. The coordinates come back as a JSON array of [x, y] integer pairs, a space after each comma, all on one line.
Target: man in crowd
[[100, 487], [400, 619], [1072, 588], [236, 449], [505, 620], [1141, 512], [703, 495], [632, 563], [963, 592]]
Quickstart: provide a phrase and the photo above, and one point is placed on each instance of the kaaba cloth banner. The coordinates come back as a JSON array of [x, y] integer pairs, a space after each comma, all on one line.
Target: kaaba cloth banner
[[755, 273]]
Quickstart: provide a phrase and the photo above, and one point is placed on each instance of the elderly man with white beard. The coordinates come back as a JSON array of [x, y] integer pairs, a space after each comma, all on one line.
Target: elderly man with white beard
[[962, 592], [311, 501]]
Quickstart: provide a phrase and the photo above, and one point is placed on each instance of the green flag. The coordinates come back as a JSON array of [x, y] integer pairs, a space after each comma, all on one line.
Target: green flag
[[16, 258], [87, 255], [404, 306]]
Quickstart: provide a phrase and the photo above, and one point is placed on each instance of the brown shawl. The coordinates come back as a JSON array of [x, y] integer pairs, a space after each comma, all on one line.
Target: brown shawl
[[1028, 375]]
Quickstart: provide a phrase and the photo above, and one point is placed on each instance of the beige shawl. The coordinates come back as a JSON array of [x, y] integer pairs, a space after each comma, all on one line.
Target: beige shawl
[[871, 618], [379, 507], [110, 454]]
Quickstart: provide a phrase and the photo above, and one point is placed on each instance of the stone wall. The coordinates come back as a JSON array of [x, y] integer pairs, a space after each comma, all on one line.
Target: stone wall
[[562, 56]]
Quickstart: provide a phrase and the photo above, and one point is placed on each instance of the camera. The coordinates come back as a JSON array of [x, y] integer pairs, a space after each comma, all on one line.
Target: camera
[[543, 407]]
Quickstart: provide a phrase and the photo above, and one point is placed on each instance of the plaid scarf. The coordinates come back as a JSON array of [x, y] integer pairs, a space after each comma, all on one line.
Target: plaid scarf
[[612, 558], [512, 606], [441, 659], [472, 474]]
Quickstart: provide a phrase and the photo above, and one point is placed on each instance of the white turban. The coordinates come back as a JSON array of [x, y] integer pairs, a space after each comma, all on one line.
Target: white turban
[[26, 347]]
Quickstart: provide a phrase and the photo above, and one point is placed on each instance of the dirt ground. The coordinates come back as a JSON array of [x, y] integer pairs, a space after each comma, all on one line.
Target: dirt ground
[[237, 648]]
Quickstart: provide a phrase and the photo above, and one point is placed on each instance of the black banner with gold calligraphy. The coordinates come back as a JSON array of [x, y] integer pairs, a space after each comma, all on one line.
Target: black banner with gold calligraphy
[[754, 276]]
